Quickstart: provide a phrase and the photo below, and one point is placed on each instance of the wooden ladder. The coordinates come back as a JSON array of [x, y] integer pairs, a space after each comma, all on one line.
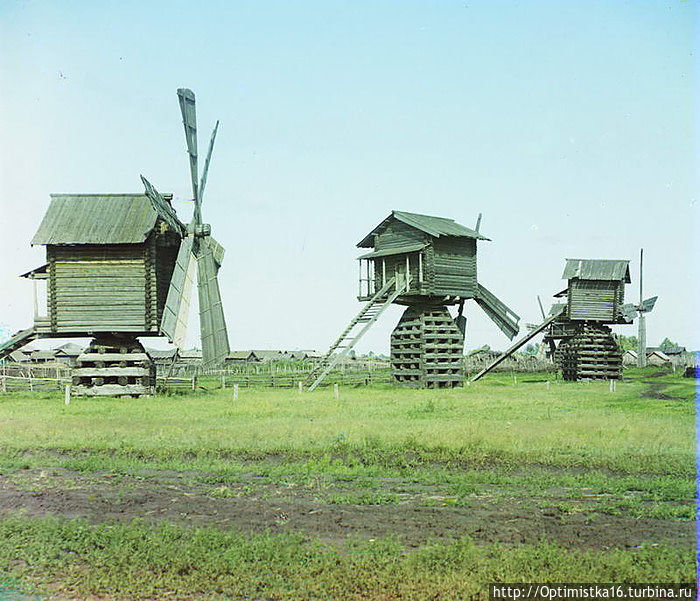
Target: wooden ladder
[[530, 335], [362, 322]]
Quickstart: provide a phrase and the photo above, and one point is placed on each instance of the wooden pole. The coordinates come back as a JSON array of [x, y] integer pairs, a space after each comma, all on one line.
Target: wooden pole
[[36, 299], [235, 392], [420, 267], [642, 333], [67, 395], [336, 392], [301, 387], [359, 278]]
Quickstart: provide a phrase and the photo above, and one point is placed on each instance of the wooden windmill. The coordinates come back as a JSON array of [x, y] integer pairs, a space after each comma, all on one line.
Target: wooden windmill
[[640, 310], [594, 301], [426, 264], [119, 267]]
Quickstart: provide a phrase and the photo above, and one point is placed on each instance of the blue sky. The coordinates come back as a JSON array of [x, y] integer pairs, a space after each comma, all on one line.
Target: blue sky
[[571, 126]]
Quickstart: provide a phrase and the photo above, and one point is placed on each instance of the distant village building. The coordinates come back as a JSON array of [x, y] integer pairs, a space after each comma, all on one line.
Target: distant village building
[[268, 356], [658, 358], [629, 358], [18, 357], [68, 353], [237, 357], [43, 356], [190, 357]]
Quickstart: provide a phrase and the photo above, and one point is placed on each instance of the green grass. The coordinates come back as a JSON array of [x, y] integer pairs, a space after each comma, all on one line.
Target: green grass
[[137, 561], [491, 422], [573, 447]]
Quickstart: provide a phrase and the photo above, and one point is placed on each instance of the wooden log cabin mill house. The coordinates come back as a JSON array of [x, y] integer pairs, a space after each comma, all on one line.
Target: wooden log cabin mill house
[[109, 262], [594, 297], [425, 263]]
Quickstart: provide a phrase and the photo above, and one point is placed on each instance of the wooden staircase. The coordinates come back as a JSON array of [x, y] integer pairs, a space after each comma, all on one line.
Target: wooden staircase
[[17, 341], [356, 329]]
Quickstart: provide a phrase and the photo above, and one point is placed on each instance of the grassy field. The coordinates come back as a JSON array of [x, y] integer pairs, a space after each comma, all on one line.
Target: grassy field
[[383, 493]]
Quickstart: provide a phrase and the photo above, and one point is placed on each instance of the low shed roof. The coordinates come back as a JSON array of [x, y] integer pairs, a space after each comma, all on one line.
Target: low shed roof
[[434, 226], [97, 219], [597, 269]]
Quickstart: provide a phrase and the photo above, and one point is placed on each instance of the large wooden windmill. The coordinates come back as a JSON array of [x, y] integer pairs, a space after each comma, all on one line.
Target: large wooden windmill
[[426, 264], [121, 266]]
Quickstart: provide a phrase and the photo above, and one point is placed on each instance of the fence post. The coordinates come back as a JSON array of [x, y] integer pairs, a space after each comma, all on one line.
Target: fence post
[[235, 392], [31, 386], [336, 393], [301, 386], [67, 396], [194, 383], [4, 385], [223, 381], [547, 385]]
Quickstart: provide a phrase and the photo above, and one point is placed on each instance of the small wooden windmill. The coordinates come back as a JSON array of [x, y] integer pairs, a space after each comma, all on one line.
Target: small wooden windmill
[[632, 311], [594, 300], [119, 267], [426, 264]]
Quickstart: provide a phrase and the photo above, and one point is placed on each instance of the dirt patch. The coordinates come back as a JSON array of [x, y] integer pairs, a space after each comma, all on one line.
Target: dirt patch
[[653, 391], [413, 516]]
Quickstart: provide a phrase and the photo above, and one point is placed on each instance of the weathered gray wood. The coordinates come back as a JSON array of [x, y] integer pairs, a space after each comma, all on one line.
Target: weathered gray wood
[[112, 390], [111, 371]]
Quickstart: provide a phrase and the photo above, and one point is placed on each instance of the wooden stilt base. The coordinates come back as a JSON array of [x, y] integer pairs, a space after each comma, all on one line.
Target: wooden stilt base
[[591, 353], [427, 348], [114, 366]]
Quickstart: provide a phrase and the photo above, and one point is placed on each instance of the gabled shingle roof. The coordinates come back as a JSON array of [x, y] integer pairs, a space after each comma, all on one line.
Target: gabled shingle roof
[[434, 226], [597, 269], [96, 219]]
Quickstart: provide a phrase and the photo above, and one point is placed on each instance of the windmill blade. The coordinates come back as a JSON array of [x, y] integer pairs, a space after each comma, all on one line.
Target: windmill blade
[[461, 322], [177, 304], [215, 346], [203, 182], [505, 318], [629, 312], [189, 121], [162, 207], [648, 304]]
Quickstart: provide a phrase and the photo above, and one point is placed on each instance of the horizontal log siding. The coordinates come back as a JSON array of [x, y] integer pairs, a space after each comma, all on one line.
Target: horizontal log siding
[[99, 288], [593, 299], [454, 266]]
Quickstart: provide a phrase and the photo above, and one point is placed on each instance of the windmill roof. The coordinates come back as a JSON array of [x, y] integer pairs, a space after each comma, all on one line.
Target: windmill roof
[[434, 226], [96, 219], [597, 269]]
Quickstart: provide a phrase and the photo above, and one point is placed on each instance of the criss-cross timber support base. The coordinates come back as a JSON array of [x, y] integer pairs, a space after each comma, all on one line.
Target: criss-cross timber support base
[[426, 349], [114, 366], [591, 354]]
